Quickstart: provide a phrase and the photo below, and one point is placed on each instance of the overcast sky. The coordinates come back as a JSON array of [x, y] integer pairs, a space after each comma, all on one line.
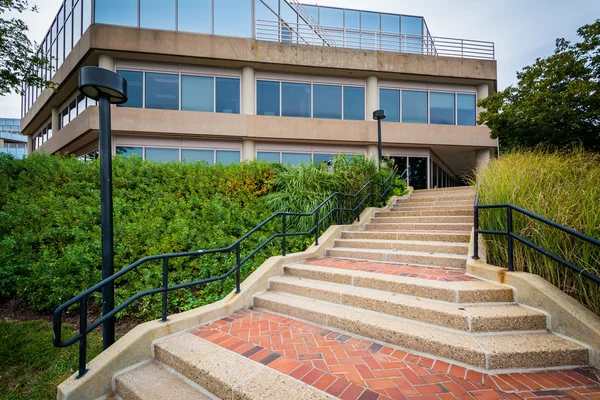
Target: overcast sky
[[521, 29]]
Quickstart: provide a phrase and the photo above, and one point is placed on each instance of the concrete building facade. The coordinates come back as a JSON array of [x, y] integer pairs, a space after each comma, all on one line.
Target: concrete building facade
[[233, 80], [11, 140]]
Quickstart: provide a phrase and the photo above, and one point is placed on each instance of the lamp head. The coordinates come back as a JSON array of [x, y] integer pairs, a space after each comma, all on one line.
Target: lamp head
[[95, 81], [379, 114]]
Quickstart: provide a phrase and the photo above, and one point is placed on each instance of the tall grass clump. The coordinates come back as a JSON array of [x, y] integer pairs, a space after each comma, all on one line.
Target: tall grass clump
[[561, 186]]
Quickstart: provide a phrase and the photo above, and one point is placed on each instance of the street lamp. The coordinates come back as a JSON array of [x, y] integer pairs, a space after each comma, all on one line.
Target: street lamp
[[107, 88], [379, 115]]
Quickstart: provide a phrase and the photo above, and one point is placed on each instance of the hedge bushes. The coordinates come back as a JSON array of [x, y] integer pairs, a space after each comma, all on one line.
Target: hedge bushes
[[50, 246]]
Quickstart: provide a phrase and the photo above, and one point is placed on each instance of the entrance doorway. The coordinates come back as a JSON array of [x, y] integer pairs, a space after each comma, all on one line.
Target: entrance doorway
[[418, 170]]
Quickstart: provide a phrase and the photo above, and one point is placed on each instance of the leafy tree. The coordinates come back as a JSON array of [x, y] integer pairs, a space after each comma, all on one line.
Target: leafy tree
[[19, 57], [556, 101]]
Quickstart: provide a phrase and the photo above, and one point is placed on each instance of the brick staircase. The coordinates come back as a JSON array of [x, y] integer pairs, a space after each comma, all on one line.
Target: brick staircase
[[388, 313]]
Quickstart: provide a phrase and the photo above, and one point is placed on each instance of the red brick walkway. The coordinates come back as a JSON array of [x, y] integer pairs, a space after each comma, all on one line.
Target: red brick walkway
[[430, 273], [351, 368]]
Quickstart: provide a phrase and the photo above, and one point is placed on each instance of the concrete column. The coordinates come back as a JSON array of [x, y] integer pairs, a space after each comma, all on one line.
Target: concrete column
[[372, 93], [248, 91], [483, 91], [107, 62], [372, 151], [482, 158], [1, 142], [55, 121], [248, 150]]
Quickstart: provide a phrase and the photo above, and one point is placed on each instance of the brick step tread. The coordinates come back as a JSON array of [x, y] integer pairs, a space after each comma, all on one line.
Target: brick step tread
[[460, 237], [405, 245], [491, 352], [420, 226], [449, 189], [227, 374], [153, 381], [471, 318], [417, 199], [455, 291], [396, 208], [426, 213], [436, 219]]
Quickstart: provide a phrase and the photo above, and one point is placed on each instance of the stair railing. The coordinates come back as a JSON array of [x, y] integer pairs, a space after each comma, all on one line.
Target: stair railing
[[512, 236], [359, 200]]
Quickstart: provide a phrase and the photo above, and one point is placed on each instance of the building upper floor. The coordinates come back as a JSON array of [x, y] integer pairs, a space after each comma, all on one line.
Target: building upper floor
[[10, 130], [231, 30]]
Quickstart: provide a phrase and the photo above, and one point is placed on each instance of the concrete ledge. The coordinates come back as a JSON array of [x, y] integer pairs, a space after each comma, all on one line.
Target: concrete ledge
[[567, 316], [136, 345]]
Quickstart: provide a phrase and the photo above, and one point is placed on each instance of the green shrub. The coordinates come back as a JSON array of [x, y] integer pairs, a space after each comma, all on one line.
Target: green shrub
[[562, 187]]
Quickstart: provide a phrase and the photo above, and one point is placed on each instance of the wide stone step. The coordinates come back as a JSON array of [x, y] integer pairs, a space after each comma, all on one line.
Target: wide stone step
[[453, 197], [405, 245], [427, 213], [400, 256], [437, 203], [152, 381], [471, 318], [497, 351], [229, 375], [463, 227], [455, 292], [453, 237], [396, 208], [456, 189], [440, 219]]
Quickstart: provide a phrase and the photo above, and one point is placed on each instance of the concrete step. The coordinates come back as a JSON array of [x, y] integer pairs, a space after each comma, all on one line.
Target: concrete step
[[437, 203], [454, 227], [153, 381], [427, 213], [497, 351], [396, 208], [453, 237], [405, 245], [472, 318], [436, 197], [440, 219], [444, 190], [453, 292], [401, 257], [227, 374]]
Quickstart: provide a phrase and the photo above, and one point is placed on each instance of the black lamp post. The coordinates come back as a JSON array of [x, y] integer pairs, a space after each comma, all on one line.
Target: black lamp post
[[107, 88], [379, 115]]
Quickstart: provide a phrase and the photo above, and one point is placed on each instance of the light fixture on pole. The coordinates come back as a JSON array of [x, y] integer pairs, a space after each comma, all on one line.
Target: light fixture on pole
[[378, 116], [107, 88]]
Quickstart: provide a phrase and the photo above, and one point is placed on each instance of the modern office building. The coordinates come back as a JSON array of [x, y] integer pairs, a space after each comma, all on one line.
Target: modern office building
[[11, 140], [232, 80]]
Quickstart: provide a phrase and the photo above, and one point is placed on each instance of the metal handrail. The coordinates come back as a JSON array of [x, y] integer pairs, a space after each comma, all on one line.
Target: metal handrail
[[511, 236], [360, 199]]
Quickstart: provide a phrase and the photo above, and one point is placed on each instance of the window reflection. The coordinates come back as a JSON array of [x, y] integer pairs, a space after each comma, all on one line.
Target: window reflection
[[195, 16], [418, 172], [466, 109], [227, 157], [228, 95], [442, 108], [354, 103], [389, 101], [267, 98], [414, 107], [327, 102], [197, 93], [162, 91], [207, 156], [130, 152], [233, 18], [157, 14], [116, 12], [162, 155], [295, 100], [135, 89], [268, 156], [412, 27], [296, 158]]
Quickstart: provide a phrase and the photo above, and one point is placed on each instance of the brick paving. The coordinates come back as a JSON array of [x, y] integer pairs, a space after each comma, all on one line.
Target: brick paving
[[412, 271], [352, 368]]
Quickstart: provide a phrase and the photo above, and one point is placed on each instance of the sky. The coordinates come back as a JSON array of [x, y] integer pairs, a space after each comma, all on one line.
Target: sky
[[522, 30]]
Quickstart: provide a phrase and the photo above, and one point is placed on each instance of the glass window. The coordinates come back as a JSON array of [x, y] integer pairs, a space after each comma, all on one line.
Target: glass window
[[390, 23], [414, 107], [162, 155], [465, 104], [267, 98], [371, 25], [354, 103], [188, 155], [135, 88], [389, 101], [287, 13], [228, 95], [77, 23], [80, 104], [68, 36], [418, 172], [197, 93], [412, 27], [266, 12], [441, 108], [322, 158], [332, 17], [233, 18], [295, 100], [130, 152], [61, 47], [195, 16], [353, 25], [296, 158], [227, 157], [390, 39], [268, 156], [162, 91], [352, 19], [116, 12], [64, 117], [157, 14], [327, 102], [87, 14]]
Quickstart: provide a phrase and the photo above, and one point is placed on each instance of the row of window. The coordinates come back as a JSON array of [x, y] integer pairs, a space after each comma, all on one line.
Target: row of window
[[42, 136], [160, 154], [75, 107], [420, 107], [440, 178], [289, 99]]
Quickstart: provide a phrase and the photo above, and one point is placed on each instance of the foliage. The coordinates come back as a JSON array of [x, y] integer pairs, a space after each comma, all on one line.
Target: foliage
[[562, 187], [31, 368], [556, 100], [19, 59]]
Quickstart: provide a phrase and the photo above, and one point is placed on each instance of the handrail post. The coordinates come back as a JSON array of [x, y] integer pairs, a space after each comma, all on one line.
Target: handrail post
[[372, 193], [284, 229], [83, 339], [476, 233], [237, 271], [317, 226], [165, 288], [339, 208], [509, 229]]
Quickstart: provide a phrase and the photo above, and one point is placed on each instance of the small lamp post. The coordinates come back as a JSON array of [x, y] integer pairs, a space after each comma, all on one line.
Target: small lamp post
[[107, 88], [378, 116]]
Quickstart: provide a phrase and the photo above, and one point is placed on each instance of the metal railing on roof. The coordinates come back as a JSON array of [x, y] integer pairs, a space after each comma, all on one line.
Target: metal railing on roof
[[296, 33]]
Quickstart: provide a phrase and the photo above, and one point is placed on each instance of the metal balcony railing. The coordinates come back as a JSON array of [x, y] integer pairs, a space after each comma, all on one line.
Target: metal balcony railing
[[295, 33]]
